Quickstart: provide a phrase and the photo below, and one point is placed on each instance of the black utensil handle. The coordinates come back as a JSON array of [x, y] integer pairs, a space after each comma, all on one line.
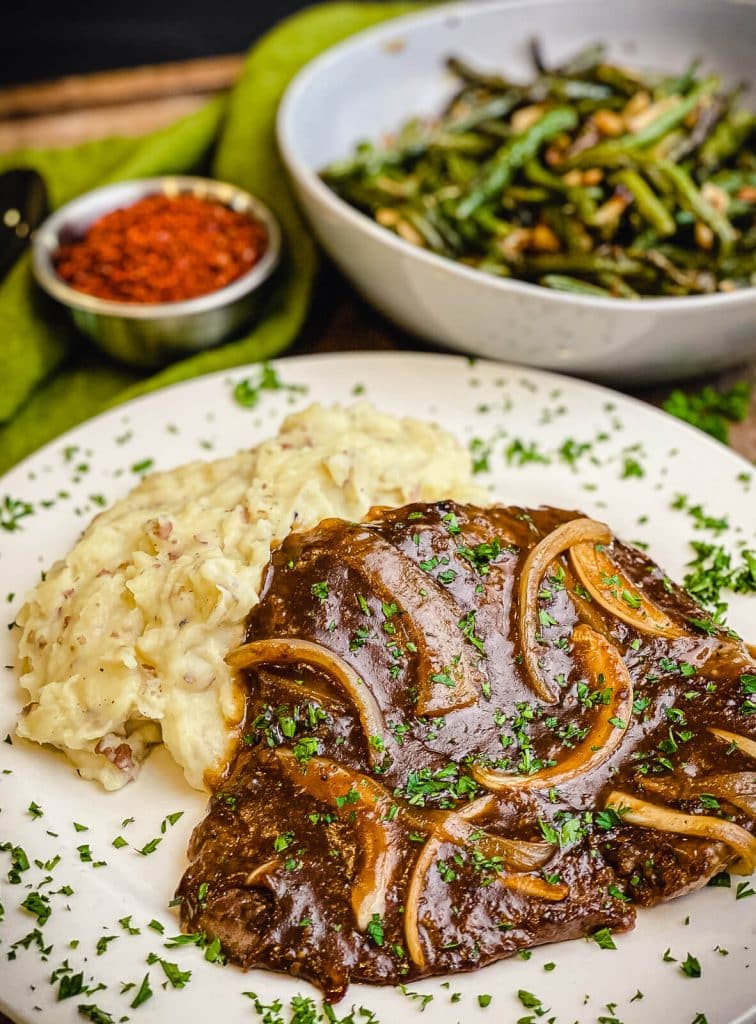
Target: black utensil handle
[[23, 207]]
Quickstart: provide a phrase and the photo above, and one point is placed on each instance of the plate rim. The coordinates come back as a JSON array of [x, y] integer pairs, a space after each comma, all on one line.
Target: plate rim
[[358, 355]]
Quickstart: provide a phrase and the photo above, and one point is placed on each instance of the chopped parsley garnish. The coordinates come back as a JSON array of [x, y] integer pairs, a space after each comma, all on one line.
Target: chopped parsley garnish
[[19, 862], [12, 511], [176, 977], [520, 453], [720, 881], [423, 998], [691, 967], [712, 571], [451, 523], [39, 905], [480, 452], [70, 985], [103, 942], [94, 1013], [631, 468], [744, 890], [375, 929], [150, 847], [530, 1001], [144, 993], [305, 748], [446, 786], [711, 410], [282, 841], [565, 830], [748, 689], [603, 939], [350, 797], [467, 626], [481, 555], [247, 391]]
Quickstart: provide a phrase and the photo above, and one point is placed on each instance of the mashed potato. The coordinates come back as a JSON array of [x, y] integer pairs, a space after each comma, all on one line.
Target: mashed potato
[[122, 645]]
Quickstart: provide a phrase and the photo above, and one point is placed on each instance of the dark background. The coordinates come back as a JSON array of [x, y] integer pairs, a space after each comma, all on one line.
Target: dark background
[[45, 40]]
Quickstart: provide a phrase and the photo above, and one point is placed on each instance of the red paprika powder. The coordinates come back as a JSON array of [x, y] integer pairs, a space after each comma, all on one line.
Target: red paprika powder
[[162, 249]]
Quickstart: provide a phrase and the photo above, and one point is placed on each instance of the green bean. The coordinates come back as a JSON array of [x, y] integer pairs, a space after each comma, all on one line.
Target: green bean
[[445, 228], [621, 81], [583, 263], [733, 181], [645, 240], [433, 239], [584, 60], [571, 231], [689, 279], [498, 107], [680, 85], [617, 286], [497, 173], [743, 265], [727, 138], [460, 142], [748, 240], [563, 283], [571, 89], [671, 118], [580, 197], [517, 194], [469, 74], [692, 199], [492, 224], [495, 267], [646, 203], [460, 169]]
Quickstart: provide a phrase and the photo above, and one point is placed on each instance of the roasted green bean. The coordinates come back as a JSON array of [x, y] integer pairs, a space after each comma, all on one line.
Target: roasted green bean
[[591, 178]]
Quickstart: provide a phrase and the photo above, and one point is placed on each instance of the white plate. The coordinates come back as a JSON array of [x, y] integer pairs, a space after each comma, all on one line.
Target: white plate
[[199, 419]]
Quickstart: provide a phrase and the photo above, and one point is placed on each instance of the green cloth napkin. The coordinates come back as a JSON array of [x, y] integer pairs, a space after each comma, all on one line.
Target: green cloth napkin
[[52, 377]]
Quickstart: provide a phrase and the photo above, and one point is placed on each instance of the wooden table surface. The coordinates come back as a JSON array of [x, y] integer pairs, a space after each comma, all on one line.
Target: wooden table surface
[[138, 100]]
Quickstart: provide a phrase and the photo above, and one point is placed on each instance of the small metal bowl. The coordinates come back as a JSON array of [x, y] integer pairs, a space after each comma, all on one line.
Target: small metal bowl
[[152, 335]]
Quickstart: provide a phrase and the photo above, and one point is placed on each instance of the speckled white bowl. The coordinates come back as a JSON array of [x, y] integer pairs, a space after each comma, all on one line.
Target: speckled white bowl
[[375, 80]]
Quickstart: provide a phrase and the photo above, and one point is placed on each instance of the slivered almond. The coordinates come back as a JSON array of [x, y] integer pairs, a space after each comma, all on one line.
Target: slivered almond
[[409, 233], [639, 101], [526, 117], [387, 217], [543, 239], [609, 122], [704, 235], [715, 196], [637, 122]]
